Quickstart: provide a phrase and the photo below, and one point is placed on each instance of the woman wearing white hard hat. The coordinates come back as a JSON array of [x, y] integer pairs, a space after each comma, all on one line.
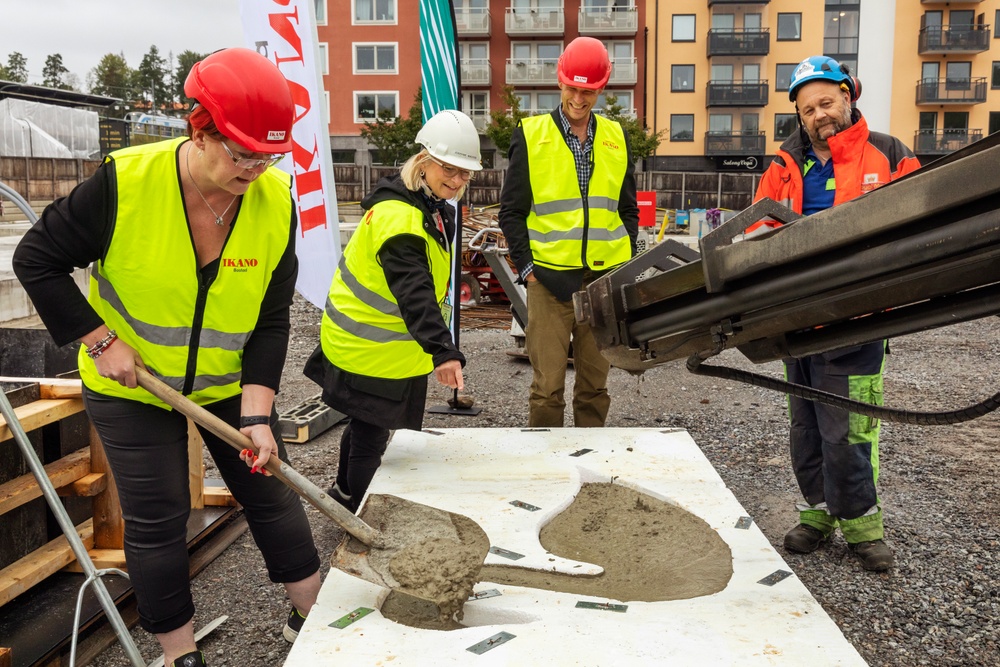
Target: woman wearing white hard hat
[[385, 326]]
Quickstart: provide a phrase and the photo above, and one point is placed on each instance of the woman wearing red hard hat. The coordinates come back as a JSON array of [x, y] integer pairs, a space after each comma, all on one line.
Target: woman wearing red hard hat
[[191, 243]]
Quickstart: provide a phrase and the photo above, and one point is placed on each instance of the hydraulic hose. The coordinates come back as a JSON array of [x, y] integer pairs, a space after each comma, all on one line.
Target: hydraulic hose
[[695, 364]]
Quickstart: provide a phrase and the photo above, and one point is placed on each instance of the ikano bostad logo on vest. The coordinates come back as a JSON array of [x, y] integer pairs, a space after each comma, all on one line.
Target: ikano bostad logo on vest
[[239, 264]]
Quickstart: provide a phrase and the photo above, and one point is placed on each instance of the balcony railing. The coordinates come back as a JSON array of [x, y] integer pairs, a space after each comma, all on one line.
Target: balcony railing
[[951, 91], [472, 22], [612, 21], [941, 142], [954, 39], [938, 2], [725, 42], [532, 71], [480, 119], [735, 143], [737, 2], [737, 93], [624, 72], [541, 22], [475, 72]]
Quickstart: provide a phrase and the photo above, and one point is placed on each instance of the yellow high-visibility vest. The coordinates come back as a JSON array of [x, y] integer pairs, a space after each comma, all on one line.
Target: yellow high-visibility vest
[[146, 286], [568, 229], [363, 331]]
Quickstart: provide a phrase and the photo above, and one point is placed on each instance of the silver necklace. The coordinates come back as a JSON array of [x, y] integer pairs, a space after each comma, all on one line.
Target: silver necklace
[[218, 218]]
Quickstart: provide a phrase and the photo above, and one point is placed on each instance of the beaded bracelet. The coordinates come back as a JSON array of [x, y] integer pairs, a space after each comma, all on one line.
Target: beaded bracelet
[[98, 348]]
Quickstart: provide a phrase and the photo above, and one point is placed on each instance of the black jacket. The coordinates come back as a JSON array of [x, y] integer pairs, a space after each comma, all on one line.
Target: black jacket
[[515, 204]]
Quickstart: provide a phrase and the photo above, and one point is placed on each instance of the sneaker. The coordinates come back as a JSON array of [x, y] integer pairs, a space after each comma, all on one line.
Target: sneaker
[[875, 556], [192, 659], [338, 495], [293, 625], [804, 539]]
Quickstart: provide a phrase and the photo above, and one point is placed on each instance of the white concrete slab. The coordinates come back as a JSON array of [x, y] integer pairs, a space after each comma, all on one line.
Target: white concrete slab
[[477, 472]]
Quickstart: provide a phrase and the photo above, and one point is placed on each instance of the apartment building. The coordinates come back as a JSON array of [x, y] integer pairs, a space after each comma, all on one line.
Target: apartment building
[[372, 55], [719, 72]]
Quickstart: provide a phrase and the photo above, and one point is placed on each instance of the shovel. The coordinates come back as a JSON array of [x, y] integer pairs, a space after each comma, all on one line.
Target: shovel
[[420, 551]]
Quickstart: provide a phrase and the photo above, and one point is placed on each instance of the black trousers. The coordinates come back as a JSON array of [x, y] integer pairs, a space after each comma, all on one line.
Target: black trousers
[[361, 448], [147, 448]]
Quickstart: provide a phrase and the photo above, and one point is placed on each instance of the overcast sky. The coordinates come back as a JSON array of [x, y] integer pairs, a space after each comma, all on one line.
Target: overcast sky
[[83, 31]]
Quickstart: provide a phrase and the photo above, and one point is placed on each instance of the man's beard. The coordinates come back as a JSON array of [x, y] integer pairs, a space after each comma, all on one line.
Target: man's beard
[[839, 125]]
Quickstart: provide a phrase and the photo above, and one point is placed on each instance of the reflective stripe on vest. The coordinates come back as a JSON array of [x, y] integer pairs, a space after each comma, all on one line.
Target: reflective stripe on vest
[[363, 331], [562, 231], [146, 287]]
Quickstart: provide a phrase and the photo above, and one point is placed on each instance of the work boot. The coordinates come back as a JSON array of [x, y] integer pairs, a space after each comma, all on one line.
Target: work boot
[[875, 556], [192, 659], [804, 539]]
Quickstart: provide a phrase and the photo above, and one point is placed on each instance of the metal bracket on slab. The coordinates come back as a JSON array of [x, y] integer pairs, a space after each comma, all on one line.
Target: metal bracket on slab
[[482, 595], [491, 643], [581, 452], [355, 615], [602, 606], [524, 506], [512, 555], [775, 577], [744, 523]]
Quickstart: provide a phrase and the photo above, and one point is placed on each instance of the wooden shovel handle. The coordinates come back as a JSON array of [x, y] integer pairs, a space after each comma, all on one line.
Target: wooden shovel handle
[[284, 472]]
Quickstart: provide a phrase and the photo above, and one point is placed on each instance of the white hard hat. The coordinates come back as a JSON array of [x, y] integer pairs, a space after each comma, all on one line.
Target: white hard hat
[[451, 137]]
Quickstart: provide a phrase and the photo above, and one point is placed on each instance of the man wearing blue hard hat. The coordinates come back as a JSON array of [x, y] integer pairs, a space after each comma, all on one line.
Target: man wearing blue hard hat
[[834, 158]]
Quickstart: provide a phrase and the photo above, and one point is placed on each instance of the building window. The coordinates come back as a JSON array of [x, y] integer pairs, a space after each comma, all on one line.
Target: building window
[[785, 125], [324, 58], [840, 33], [789, 27], [320, 9], [374, 58], [682, 127], [682, 78], [996, 25], [342, 156], [371, 105], [994, 122], [958, 75], [374, 11], [488, 158], [783, 75], [995, 81], [683, 28]]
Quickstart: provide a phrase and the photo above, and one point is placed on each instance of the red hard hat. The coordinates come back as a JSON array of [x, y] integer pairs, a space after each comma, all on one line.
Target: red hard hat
[[584, 64], [248, 98]]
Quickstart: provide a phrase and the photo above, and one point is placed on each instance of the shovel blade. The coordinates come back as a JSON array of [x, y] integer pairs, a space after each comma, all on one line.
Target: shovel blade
[[423, 552]]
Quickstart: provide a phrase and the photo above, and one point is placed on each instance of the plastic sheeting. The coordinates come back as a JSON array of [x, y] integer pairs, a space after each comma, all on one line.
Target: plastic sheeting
[[33, 129]]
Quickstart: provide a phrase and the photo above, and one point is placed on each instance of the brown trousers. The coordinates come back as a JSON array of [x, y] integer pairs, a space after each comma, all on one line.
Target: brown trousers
[[551, 327]]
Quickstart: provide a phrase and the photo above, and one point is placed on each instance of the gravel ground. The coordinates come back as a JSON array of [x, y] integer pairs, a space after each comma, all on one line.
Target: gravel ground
[[939, 606]]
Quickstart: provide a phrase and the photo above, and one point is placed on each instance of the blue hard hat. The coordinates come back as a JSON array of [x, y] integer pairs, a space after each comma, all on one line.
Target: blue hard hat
[[821, 68]]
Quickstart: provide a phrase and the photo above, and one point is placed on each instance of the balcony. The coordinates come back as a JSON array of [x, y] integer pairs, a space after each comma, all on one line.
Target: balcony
[[942, 142], [475, 72], [544, 22], [624, 72], [736, 93], [942, 2], [737, 2], [954, 39], [735, 143], [532, 71], [481, 119], [472, 22], [611, 21], [951, 91], [724, 42]]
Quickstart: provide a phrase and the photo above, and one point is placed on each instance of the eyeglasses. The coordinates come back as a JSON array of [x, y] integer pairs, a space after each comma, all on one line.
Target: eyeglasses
[[243, 162], [452, 172]]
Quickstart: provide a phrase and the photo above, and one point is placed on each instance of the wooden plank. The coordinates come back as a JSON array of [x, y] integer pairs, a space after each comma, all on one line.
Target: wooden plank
[[51, 387], [109, 526], [85, 487], [102, 558], [22, 574], [6, 659], [39, 413], [219, 496], [196, 466], [24, 489]]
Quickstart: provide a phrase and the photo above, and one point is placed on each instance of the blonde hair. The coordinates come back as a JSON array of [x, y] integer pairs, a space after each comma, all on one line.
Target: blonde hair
[[412, 174]]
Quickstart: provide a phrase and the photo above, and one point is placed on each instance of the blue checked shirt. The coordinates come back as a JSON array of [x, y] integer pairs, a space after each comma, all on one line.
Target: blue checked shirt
[[581, 153]]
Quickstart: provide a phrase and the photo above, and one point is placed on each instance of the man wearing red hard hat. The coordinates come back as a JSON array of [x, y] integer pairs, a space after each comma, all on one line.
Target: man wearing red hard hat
[[568, 209]]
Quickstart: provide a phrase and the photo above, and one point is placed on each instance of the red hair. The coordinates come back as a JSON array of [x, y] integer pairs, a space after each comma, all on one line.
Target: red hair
[[201, 119]]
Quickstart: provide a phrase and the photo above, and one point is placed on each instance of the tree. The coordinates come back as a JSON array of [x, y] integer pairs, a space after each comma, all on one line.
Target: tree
[[54, 73], [16, 69], [643, 143], [503, 122], [113, 77], [151, 77], [394, 137], [185, 61]]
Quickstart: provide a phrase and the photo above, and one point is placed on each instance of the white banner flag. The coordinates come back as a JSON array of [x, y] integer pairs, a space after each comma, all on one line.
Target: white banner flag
[[284, 31]]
